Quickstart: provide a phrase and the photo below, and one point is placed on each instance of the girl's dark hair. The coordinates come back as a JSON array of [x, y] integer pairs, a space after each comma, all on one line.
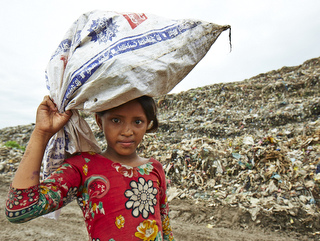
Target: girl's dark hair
[[150, 109]]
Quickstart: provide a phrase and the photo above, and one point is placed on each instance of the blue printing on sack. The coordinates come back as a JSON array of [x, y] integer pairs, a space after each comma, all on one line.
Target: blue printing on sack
[[124, 45], [56, 152], [64, 46]]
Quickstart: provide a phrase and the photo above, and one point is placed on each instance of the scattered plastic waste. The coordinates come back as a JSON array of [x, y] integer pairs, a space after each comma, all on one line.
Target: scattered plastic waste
[[253, 144]]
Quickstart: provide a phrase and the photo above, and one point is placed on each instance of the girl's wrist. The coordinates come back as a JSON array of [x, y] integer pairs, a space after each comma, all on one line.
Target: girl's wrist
[[40, 135]]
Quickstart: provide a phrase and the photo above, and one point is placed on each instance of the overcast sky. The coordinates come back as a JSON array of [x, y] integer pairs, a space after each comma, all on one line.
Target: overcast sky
[[266, 35]]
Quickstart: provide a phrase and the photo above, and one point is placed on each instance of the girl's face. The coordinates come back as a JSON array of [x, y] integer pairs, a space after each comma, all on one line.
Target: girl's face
[[124, 128]]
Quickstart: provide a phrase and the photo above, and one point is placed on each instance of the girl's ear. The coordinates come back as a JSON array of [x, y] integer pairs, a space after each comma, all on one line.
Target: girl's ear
[[98, 121], [150, 125]]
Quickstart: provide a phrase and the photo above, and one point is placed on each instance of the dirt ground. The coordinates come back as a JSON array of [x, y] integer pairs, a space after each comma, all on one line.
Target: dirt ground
[[191, 220]]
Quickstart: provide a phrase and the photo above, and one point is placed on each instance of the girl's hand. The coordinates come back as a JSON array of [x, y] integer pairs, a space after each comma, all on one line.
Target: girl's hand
[[49, 121]]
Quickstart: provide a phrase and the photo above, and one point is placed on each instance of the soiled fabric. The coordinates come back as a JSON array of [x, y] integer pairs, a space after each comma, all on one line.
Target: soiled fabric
[[118, 202], [109, 58]]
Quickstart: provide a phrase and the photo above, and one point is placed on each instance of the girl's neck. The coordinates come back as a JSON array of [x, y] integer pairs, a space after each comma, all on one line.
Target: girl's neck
[[133, 160]]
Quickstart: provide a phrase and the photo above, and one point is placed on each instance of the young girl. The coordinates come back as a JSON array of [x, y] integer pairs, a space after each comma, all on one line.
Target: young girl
[[122, 195], [107, 59]]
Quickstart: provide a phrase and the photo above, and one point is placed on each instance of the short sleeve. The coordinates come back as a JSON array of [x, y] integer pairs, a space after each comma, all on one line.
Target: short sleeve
[[164, 206], [60, 188]]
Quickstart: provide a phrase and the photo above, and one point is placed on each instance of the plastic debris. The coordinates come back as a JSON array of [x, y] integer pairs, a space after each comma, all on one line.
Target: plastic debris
[[253, 144]]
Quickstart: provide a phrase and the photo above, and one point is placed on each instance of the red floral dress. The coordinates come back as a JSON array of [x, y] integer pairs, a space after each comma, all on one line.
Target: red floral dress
[[118, 202]]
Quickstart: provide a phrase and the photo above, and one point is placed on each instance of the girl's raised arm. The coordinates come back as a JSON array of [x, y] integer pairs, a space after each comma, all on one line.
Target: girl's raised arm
[[48, 122]]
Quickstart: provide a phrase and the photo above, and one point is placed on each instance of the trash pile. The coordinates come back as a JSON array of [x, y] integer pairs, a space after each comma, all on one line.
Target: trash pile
[[253, 144], [13, 141]]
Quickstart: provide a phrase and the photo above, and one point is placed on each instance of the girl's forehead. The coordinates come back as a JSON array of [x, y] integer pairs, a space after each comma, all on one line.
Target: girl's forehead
[[130, 107]]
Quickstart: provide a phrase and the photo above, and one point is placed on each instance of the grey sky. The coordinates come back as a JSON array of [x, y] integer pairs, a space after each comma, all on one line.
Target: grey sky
[[266, 35]]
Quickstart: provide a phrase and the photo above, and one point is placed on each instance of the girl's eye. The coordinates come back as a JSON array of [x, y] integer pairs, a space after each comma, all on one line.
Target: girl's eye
[[138, 122], [115, 120]]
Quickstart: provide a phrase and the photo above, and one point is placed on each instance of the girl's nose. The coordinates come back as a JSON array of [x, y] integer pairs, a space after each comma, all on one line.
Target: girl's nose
[[127, 130]]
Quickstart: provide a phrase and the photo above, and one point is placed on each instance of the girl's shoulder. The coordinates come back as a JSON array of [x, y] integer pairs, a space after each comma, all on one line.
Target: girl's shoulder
[[155, 163]]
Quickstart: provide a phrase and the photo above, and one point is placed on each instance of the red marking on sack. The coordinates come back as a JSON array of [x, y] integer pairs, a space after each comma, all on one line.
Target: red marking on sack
[[134, 19], [64, 59]]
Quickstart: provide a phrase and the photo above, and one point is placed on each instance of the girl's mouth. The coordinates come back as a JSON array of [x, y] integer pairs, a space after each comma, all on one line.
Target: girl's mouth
[[126, 143]]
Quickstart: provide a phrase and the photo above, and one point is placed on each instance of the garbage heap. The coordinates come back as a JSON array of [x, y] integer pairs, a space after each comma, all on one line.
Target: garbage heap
[[253, 144]]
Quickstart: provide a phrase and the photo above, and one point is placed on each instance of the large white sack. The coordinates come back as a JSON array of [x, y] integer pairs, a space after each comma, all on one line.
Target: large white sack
[[109, 58]]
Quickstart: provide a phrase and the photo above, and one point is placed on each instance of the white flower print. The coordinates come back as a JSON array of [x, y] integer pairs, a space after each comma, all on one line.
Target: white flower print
[[71, 195], [142, 197], [81, 202], [14, 198], [31, 196]]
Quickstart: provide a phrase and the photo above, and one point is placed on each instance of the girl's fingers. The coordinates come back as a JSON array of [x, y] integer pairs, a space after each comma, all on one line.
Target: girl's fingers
[[68, 112], [49, 105], [66, 115], [48, 102]]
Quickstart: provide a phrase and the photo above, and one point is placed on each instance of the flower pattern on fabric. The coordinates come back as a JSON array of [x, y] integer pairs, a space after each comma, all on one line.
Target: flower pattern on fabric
[[145, 169], [96, 208], [53, 196], [99, 200], [63, 167], [166, 226], [125, 170], [44, 190], [81, 202], [85, 169], [142, 197], [72, 192], [14, 198], [159, 237], [168, 237], [120, 221], [95, 187], [31, 197], [103, 30], [165, 207], [147, 230], [130, 172]]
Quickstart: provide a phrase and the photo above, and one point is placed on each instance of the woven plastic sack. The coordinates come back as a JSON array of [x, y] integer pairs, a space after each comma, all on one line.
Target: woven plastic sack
[[109, 58]]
